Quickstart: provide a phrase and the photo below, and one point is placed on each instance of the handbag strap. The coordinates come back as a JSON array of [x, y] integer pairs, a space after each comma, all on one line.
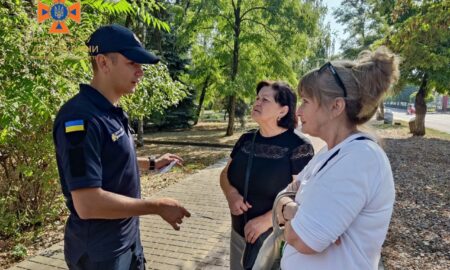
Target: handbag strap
[[247, 171]]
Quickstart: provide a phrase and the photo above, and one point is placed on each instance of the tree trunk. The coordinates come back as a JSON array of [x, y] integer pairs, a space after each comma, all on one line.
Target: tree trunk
[[140, 133], [202, 98], [380, 113], [231, 113], [421, 108], [234, 68]]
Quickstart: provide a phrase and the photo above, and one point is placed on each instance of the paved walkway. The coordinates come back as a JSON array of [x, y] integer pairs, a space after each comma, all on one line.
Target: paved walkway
[[202, 242]]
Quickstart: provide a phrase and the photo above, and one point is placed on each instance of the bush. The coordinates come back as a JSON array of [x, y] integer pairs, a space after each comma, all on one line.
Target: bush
[[19, 251], [39, 72], [35, 82]]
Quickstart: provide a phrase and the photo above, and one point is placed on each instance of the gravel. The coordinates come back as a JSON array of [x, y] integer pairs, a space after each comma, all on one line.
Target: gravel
[[419, 233]]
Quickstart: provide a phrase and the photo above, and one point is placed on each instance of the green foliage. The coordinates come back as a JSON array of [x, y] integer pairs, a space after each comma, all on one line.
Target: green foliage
[[156, 92], [35, 82], [141, 10], [364, 25], [238, 43], [181, 115], [39, 72], [404, 95], [19, 251], [420, 35], [176, 56]]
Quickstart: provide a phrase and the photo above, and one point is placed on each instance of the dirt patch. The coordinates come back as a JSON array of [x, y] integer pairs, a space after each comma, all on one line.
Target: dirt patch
[[419, 233]]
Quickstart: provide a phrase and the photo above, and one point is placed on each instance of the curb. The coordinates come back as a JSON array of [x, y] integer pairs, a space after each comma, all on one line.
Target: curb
[[217, 145]]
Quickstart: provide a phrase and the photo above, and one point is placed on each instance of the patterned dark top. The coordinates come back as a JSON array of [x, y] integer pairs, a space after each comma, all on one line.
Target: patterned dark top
[[275, 160]]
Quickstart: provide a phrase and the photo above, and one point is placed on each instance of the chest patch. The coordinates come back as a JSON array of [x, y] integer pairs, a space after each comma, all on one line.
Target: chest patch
[[117, 134]]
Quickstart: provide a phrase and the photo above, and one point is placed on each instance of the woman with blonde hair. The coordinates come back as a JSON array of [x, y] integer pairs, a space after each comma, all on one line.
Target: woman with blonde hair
[[346, 191]]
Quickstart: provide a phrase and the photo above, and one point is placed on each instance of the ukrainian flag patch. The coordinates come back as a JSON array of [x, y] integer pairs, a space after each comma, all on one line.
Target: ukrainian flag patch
[[75, 125]]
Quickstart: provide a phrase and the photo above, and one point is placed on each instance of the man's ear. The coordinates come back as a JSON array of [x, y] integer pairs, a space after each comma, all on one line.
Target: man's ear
[[102, 63]]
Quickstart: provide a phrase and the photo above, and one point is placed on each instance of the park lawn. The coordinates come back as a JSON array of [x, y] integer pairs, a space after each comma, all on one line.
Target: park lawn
[[195, 157]]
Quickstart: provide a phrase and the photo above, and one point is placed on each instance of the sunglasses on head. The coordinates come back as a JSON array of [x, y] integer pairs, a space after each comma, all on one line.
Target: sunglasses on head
[[335, 75]]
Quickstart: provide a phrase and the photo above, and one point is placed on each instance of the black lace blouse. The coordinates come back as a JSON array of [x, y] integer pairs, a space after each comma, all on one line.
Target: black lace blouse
[[275, 160]]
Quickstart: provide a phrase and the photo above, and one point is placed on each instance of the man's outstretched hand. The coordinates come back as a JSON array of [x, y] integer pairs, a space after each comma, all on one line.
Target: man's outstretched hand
[[172, 212]]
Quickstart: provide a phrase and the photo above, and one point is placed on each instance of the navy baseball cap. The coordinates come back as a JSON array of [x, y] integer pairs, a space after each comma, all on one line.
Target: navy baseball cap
[[116, 38]]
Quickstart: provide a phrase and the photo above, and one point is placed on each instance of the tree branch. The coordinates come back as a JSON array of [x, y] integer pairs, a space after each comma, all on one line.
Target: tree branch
[[223, 16], [226, 18], [222, 42], [268, 30], [251, 9]]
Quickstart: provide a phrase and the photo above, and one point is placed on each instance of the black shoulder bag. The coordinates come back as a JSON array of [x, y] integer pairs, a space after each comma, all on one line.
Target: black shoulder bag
[[251, 250]]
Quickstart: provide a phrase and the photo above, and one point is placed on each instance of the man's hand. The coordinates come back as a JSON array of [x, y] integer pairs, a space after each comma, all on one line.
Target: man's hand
[[167, 159], [172, 212], [255, 227], [236, 202]]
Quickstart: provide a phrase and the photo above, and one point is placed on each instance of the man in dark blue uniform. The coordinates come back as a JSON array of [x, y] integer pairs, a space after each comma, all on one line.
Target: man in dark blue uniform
[[97, 162]]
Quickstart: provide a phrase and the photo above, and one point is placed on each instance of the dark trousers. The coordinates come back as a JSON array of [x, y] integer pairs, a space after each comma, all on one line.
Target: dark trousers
[[132, 259]]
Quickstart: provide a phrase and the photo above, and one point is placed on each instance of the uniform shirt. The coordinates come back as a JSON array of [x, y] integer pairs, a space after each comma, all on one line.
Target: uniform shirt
[[94, 148], [352, 198], [275, 160]]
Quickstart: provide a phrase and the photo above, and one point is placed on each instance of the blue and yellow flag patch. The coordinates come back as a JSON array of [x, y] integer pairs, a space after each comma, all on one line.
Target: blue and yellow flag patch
[[75, 125]]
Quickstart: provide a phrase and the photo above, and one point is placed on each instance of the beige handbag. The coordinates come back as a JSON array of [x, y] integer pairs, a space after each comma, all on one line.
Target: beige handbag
[[269, 256]]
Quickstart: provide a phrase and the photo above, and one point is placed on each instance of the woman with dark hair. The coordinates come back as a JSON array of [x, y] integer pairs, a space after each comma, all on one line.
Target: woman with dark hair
[[347, 190], [279, 152]]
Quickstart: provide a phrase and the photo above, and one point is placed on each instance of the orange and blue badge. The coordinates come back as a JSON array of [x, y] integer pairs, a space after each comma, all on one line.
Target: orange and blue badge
[[59, 12], [75, 125]]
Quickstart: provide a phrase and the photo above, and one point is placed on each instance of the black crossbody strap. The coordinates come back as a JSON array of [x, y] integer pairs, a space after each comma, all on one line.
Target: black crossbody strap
[[247, 171], [337, 152]]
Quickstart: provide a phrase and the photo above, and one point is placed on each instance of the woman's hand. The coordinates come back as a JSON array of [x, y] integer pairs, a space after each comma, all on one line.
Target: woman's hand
[[289, 211], [286, 201], [236, 202], [256, 226]]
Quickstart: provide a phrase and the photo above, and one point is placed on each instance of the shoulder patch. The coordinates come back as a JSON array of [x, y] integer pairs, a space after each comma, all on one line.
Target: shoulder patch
[[74, 125], [75, 131]]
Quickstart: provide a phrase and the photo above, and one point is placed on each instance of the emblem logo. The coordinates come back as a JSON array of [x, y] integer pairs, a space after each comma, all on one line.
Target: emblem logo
[[59, 13]]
